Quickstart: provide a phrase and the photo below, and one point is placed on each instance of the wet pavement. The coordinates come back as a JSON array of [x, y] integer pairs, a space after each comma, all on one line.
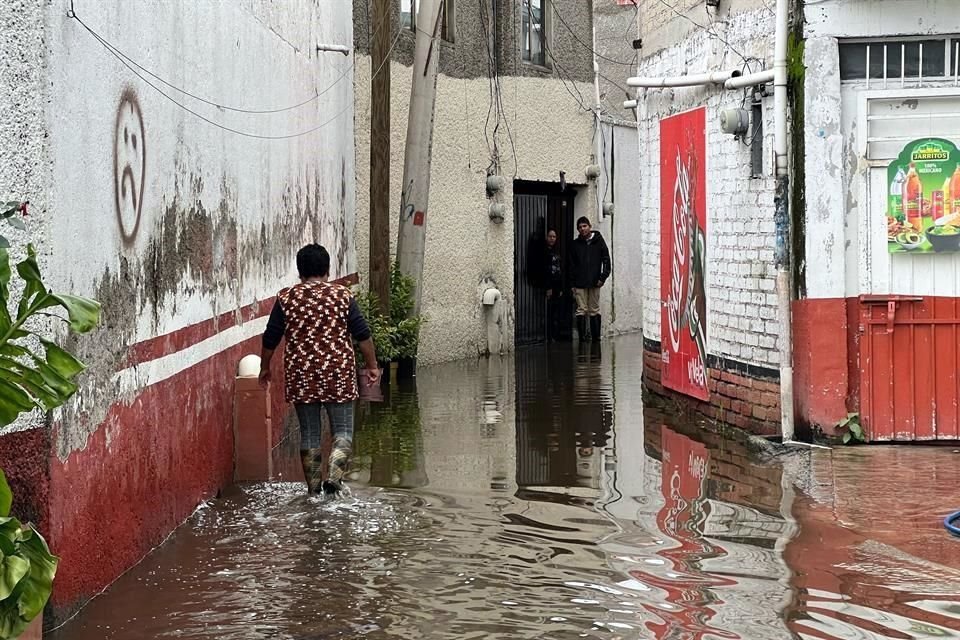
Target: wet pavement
[[539, 496]]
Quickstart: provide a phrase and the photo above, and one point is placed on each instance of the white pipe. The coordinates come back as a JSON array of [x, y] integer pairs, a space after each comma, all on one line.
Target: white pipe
[[782, 221], [629, 104], [335, 48], [749, 80], [689, 80]]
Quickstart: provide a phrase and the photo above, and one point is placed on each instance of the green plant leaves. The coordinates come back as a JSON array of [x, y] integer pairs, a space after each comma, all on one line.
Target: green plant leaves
[[6, 496], [851, 428], [83, 313], [27, 570]]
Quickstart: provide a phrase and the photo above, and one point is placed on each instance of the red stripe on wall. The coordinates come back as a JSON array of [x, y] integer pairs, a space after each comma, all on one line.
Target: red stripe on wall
[[181, 339]]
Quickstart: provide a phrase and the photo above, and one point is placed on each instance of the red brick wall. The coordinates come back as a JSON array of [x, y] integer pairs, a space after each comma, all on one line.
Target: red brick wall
[[734, 475], [750, 403]]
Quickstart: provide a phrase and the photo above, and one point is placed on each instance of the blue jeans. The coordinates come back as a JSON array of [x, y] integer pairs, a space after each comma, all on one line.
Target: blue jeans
[[341, 426]]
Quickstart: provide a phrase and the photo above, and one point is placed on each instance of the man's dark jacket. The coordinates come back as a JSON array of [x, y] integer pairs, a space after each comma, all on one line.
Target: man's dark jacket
[[589, 261]]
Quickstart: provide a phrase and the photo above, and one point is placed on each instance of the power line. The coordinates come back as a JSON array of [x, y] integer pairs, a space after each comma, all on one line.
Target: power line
[[185, 92], [588, 46], [709, 29], [204, 118]]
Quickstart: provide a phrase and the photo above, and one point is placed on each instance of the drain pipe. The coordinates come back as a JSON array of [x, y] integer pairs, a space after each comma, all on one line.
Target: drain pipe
[[782, 222], [689, 80]]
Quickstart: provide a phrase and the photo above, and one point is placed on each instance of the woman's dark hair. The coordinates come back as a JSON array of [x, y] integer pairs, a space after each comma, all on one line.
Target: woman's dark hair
[[553, 230], [313, 261], [583, 220]]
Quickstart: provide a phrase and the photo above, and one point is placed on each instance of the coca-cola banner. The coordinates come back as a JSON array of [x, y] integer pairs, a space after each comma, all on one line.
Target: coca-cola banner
[[683, 253]]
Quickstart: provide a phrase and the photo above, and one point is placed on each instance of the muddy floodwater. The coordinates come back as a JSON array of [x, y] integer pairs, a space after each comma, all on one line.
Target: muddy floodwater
[[539, 496]]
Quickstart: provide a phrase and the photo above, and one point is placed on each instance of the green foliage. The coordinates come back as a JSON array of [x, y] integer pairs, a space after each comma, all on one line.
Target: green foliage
[[395, 337], [851, 429], [29, 379], [34, 373], [27, 569], [8, 212]]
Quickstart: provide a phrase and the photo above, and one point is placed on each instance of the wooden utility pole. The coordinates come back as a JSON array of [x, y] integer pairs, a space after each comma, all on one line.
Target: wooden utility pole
[[416, 162], [379, 265]]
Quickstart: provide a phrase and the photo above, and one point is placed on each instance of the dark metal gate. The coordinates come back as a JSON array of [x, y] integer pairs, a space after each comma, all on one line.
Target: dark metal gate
[[531, 305], [539, 207]]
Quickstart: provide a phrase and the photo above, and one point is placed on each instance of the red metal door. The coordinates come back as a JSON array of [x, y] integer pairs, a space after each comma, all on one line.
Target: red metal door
[[909, 356]]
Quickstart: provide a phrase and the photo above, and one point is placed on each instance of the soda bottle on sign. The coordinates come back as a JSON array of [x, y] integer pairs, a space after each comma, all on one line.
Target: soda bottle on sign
[[947, 198], [955, 191], [896, 192], [913, 199], [936, 204]]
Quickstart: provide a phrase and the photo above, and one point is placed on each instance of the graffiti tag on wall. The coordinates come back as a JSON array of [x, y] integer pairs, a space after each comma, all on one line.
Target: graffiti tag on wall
[[129, 165]]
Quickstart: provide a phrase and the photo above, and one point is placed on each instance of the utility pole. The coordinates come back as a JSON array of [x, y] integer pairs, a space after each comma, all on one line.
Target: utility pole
[[417, 155], [379, 265]]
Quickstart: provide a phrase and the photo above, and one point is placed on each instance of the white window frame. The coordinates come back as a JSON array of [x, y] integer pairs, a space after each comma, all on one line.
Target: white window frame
[[879, 46], [546, 28]]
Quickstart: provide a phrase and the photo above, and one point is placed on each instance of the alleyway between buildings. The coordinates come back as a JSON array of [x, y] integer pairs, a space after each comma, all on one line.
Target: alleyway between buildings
[[540, 496]]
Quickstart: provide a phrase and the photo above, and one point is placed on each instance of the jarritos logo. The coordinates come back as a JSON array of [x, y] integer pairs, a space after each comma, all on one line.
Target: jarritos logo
[[683, 253], [929, 152]]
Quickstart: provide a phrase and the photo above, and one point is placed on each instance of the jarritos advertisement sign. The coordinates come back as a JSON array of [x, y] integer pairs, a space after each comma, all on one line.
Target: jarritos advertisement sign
[[923, 204], [683, 253]]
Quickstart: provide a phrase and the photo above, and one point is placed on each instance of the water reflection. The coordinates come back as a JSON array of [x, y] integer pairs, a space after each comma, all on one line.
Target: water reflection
[[540, 497]]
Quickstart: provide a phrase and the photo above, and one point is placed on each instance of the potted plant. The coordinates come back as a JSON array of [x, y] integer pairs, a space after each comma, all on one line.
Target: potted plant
[[395, 337], [34, 373]]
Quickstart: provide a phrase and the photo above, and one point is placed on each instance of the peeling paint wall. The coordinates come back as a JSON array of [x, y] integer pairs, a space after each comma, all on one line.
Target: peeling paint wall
[[184, 225]]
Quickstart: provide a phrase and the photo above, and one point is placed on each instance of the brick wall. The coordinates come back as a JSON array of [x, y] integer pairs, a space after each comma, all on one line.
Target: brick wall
[[735, 475], [741, 302], [741, 396]]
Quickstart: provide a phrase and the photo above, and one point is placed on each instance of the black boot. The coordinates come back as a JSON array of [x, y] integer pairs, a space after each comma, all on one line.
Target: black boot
[[595, 328], [582, 328]]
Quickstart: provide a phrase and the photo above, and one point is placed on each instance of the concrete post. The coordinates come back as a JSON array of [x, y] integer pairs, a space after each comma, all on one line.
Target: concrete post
[[252, 426]]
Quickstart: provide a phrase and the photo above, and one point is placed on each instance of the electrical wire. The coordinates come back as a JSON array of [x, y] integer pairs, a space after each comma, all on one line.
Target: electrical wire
[[117, 52], [709, 29], [588, 46], [246, 134], [949, 525]]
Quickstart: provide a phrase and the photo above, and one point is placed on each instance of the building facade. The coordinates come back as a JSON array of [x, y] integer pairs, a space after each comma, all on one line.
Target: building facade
[[872, 87], [515, 98], [170, 156]]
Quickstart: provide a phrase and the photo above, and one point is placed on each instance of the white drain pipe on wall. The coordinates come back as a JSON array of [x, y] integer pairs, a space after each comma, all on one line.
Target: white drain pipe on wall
[[781, 218], [689, 80]]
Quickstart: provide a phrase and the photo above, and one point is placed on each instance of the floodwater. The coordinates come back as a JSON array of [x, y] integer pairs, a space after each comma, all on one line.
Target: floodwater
[[541, 497]]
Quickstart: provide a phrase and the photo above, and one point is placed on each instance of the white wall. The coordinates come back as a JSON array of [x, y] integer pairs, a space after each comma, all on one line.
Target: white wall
[[838, 255], [741, 303], [621, 300], [222, 214], [464, 248]]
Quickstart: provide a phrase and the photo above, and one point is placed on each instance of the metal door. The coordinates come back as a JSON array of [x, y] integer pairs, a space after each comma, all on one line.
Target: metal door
[[539, 207], [909, 357], [908, 320], [530, 228]]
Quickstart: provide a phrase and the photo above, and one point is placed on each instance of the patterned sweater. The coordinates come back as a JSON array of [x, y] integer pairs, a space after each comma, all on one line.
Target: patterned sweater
[[318, 320]]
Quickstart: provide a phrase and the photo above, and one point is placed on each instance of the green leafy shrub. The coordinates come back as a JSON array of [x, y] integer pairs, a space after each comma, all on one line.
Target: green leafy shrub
[[35, 373], [395, 337], [851, 429]]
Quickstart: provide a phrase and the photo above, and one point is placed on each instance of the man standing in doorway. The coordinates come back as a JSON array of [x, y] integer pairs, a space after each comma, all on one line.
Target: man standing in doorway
[[318, 320], [589, 269]]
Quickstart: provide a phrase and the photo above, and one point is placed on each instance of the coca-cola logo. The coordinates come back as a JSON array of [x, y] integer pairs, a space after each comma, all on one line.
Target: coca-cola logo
[[681, 214]]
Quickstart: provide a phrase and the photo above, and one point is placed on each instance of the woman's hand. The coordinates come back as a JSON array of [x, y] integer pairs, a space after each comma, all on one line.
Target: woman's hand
[[372, 376]]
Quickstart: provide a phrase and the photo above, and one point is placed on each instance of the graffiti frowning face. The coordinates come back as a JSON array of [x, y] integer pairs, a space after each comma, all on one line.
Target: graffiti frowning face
[[129, 165]]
